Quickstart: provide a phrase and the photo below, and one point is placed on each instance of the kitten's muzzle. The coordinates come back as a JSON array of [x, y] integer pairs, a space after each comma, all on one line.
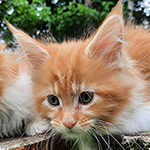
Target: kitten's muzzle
[[70, 123]]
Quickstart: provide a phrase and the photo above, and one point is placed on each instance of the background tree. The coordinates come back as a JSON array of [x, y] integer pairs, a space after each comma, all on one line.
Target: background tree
[[62, 18], [141, 12], [58, 18]]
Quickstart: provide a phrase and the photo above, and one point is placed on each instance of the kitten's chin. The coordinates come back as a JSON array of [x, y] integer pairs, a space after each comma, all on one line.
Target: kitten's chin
[[72, 134]]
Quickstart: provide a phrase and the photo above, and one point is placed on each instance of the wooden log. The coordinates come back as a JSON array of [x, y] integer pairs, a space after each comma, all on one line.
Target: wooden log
[[41, 142]]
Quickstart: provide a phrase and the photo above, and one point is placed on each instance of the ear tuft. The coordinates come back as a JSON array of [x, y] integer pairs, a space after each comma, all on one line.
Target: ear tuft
[[12, 28], [117, 10], [32, 48]]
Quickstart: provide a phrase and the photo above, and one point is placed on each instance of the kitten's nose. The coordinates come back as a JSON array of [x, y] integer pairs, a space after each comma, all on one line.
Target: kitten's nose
[[69, 124], [69, 120]]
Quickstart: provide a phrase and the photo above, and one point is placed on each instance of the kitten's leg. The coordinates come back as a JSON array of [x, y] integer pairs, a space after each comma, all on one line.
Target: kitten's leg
[[37, 126]]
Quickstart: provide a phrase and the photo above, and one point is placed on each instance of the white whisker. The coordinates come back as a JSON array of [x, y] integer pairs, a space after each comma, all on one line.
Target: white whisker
[[120, 132], [99, 143], [100, 89], [101, 136]]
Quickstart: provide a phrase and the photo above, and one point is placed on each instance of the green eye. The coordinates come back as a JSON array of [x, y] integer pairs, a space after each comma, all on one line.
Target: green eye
[[86, 97], [53, 100]]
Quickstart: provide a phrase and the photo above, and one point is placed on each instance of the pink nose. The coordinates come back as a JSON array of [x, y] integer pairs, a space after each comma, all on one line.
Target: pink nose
[[69, 124]]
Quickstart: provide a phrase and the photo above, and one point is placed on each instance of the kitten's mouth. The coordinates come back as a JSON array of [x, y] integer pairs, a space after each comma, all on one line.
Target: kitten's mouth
[[72, 134], [70, 131]]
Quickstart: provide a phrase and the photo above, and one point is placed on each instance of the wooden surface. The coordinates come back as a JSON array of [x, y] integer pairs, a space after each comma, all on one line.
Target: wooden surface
[[41, 142], [20, 143]]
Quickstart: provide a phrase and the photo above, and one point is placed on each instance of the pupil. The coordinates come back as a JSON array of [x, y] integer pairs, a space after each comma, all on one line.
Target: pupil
[[86, 97], [54, 100]]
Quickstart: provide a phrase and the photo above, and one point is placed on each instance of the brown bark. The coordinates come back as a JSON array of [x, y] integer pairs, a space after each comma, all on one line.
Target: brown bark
[[88, 3]]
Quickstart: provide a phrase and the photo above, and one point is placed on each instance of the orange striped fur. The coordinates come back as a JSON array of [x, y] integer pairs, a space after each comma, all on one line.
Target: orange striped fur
[[112, 64]]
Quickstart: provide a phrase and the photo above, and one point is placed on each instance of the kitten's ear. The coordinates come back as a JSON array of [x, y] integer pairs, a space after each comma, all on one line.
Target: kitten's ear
[[31, 47], [2, 46], [108, 41]]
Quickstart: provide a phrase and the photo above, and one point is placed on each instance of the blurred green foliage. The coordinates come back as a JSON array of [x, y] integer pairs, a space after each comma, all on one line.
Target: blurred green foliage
[[72, 19], [61, 19], [104, 7]]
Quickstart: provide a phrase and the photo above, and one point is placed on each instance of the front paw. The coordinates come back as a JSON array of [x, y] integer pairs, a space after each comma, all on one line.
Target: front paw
[[37, 127]]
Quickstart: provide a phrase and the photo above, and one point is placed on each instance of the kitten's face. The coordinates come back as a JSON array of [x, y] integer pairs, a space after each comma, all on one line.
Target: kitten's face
[[82, 87], [77, 93]]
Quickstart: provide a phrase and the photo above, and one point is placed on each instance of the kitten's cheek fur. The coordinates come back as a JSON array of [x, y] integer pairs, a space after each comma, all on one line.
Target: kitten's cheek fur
[[37, 126]]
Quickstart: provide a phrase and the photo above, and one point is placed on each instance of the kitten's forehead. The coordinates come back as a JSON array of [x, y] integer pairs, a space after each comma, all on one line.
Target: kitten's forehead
[[67, 84], [69, 71]]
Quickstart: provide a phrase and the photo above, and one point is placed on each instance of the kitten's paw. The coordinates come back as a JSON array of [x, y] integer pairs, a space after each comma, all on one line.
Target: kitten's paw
[[37, 127]]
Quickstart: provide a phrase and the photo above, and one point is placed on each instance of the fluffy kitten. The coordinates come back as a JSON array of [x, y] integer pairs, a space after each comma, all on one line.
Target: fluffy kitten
[[16, 110], [94, 86]]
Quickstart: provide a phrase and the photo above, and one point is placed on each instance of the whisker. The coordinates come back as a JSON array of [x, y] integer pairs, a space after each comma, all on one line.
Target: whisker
[[49, 135], [114, 139], [21, 136], [50, 128], [65, 75], [122, 134], [80, 139], [101, 137], [90, 132], [98, 127], [99, 143], [44, 136], [40, 93], [107, 133], [117, 142], [100, 89]]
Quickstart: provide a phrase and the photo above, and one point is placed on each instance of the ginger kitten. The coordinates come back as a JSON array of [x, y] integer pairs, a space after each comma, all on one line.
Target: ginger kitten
[[17, 114], [94, 86]]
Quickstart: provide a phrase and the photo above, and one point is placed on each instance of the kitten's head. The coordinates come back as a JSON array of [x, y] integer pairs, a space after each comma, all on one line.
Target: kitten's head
[[82, 86]]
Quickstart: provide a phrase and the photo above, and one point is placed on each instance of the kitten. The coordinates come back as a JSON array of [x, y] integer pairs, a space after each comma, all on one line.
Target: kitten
[[16, 110], [94, 86], [2, 46]]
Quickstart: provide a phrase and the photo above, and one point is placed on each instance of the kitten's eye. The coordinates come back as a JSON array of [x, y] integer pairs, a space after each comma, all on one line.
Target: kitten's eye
[[53, 100], [86, 97]]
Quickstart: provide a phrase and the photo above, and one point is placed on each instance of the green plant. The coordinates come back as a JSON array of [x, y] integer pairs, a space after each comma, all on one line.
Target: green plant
[[35, 17], [71, 20]]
